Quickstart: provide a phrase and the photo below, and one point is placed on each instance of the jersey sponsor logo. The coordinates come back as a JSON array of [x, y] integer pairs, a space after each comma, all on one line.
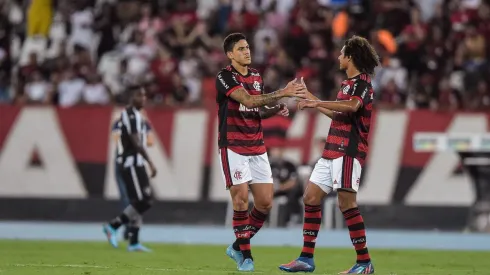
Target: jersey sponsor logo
[[364, 92], [223, 81], [358, 240], [346, 89], [242, 108], [309, 233], [243, 235], [255, 74]]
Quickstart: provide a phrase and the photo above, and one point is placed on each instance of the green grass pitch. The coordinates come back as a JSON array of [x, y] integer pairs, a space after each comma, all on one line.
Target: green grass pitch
[[97, 258]]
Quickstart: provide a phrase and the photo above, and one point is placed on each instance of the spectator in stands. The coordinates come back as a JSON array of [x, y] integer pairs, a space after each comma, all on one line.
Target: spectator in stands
[[37, 90], [82, 27], [421, 44], [39, 17], [163, 67], [70, 89], [138, 54], [95, 92], [390, 96], [448, 98], [481, 101], [104, 25]]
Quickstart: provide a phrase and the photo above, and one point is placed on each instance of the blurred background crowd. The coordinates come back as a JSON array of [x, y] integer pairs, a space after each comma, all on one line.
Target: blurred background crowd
[[435, 53]]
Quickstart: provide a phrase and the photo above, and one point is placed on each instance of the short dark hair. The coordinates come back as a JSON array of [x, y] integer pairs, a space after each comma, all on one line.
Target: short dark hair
[[362, 54], [133, 90], [231, 40]]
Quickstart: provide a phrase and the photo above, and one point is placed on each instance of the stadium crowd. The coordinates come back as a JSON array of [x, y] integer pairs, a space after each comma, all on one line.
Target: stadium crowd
[[435, 53]]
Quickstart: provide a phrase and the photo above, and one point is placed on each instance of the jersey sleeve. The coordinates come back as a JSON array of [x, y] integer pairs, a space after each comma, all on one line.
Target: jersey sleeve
[[360, 90], [131, 121], [226, 83]]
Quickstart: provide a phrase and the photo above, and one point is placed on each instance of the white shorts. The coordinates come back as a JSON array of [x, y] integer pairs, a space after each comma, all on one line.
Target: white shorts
[[238, 169], [339, 173]]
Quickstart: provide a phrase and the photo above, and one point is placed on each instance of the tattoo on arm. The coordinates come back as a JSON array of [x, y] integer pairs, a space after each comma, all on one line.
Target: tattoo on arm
[[253, 101]]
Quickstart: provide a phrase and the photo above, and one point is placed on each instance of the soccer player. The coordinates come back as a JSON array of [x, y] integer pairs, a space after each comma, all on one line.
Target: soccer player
[[343, 157], [132, 164], [116, 135], [242, 106]]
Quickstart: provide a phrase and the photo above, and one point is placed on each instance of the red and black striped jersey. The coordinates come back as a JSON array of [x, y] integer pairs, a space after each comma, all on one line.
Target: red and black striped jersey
[[348, 134], [240, 128]]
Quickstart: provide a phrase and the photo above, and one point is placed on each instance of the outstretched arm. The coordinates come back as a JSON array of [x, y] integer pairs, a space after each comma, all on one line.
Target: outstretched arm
[[252, 101], [343, 106], [227, 85], [358, 95], [324, 111]]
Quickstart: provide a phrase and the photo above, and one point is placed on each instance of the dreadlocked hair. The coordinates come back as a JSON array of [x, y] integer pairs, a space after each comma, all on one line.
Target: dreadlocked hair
[[362, 54]]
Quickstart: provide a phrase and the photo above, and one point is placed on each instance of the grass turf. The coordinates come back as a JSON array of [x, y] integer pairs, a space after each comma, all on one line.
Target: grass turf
[[93, 258]]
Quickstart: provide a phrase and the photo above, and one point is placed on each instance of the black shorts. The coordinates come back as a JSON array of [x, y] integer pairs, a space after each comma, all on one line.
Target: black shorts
[[137, 183]]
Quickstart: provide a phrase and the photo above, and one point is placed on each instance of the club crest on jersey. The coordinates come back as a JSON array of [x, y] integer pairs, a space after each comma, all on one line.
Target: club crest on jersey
[[346, 89], [256, 85]]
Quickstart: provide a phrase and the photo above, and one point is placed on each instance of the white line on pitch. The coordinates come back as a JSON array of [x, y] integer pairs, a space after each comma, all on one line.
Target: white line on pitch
[[62, 265], [148, 268], [194, 270]]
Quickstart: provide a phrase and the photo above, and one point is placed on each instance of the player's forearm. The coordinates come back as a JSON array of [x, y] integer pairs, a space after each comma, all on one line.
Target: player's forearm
[[143, 153], [265, 99], [326, 112], [311, 96], [345, 106], [322, 110], [267, 112], [140, 149]]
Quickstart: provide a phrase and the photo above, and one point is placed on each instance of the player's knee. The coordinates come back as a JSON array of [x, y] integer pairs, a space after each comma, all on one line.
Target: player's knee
[[240, 202], [264, 206], [310, 198], [143, 205], [346, 200], [149, 202]]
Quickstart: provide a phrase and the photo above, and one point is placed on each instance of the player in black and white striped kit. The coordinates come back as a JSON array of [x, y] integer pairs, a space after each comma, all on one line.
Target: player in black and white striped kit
[[131, 159], [118, 153]]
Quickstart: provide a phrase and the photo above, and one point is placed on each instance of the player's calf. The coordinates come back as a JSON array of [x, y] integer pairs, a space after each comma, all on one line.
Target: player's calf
[[312, 218], [143, 205], [355, 224], [312, 221], [241, 227]]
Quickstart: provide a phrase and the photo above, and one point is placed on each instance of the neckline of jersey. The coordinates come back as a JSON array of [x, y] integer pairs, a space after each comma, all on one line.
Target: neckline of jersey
[[246, 75]]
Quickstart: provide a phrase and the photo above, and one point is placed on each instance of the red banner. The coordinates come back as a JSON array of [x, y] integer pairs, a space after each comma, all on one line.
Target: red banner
[[74, 146]]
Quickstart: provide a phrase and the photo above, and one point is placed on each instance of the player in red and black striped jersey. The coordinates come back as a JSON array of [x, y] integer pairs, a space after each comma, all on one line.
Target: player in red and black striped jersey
[[241, 107], [343, 157]]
